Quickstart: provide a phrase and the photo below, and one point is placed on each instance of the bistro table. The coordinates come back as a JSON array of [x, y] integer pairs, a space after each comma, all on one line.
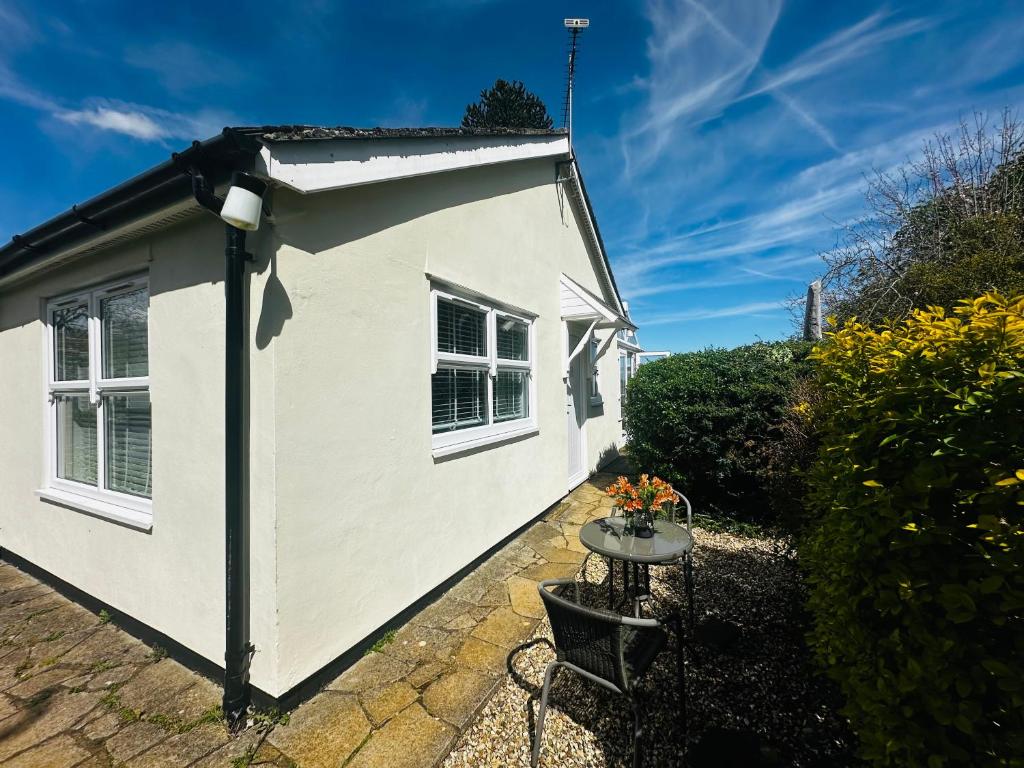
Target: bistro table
[[607, 537]]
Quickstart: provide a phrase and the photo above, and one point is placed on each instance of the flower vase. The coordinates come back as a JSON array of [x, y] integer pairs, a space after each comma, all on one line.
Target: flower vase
[[643, 524]]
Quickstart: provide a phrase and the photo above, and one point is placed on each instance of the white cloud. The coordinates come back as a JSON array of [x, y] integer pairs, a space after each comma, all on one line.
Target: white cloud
[[706, 313], [144, 122], [134, 124]]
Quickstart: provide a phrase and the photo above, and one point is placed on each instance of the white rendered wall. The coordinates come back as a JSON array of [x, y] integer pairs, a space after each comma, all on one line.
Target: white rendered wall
[[368, 521], [171, 578]]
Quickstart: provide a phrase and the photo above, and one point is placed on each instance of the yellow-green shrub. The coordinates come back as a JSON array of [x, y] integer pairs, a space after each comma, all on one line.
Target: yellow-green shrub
[[915, 556]]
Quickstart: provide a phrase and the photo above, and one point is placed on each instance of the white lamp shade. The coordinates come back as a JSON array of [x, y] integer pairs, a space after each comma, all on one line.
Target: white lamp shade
[[242, 208]]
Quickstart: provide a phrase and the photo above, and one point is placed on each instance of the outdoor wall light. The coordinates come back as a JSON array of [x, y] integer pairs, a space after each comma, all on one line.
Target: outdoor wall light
[[244, 202]]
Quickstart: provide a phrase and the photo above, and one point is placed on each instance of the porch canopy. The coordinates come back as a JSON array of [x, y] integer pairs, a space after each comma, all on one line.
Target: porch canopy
[[580, 305]]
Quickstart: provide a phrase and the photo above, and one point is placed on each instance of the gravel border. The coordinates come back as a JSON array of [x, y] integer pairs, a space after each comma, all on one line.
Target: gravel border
[[763, 684]]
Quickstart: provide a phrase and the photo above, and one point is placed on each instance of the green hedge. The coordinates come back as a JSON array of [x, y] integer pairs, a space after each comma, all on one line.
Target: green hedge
[[915, 557], [701, 420]]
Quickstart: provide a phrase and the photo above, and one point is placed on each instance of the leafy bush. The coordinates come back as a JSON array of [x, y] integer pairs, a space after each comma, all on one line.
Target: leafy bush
[[700, 419], [916, 556]]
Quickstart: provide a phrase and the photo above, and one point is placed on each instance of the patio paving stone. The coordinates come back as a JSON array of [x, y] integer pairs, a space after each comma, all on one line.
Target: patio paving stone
[[61, 752], [80, 692], [480, 655], [371, 671], [425, 673], [324, 732], [456, 697], [35, 724], [411, 739], [155, 686], [504, 628], [416, 644], [525, 597], [182, 749], [381, 704], [134, 739], [538, 573]]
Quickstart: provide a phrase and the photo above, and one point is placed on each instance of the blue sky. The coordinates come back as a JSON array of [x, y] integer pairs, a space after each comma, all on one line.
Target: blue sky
[[722, 142]]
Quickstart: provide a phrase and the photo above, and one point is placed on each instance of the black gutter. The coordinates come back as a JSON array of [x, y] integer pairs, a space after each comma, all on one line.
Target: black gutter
[[159, 187]]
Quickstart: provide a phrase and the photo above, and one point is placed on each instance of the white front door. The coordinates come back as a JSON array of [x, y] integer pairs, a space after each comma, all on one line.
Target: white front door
[[576, 414]]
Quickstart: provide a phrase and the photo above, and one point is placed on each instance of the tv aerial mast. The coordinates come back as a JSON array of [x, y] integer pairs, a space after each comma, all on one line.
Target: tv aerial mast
[[575, 26]]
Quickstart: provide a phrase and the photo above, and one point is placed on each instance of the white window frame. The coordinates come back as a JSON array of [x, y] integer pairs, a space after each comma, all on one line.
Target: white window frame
[[459, 440], [630, 357], [594, 372], [134, 511]]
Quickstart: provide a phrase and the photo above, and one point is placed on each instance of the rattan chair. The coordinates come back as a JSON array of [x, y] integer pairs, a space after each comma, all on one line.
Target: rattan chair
[[611, 650]]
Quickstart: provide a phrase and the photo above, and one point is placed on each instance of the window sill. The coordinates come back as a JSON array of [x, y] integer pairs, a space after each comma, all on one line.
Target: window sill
[[142, 521], [484, 440]]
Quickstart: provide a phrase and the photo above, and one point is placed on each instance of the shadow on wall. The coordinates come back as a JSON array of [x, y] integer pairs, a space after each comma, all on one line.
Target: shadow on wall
[[609, 460], [351, 214], [276, 309], [185, 254]]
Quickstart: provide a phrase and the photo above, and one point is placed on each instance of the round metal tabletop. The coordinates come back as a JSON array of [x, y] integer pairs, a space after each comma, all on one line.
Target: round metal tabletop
[[606, 537]]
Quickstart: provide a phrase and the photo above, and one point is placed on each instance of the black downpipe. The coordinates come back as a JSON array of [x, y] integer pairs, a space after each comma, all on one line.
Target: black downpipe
[[238, 650]]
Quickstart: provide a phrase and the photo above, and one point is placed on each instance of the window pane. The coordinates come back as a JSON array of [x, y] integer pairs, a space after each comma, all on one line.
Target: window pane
[[511, 395], [461, 330], [512, 344], [129, 443], [623, 362], [459, 399], [71, 343], [76, 439], [125, 335]]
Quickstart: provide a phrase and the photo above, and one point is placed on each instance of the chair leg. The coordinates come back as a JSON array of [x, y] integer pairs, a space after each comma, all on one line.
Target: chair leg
[[638, 730], [681, 671], [688, 577], [548, 673]]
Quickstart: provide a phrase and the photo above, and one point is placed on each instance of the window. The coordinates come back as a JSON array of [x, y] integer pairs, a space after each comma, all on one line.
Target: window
[[100, 425], [594, 377], [627, 369], [482, 383]]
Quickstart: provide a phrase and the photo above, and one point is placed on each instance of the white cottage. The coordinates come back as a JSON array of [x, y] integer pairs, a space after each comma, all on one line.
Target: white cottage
[[422, 355]]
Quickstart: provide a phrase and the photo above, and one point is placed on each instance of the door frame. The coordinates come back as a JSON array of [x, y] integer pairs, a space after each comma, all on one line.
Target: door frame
[[577, 372]]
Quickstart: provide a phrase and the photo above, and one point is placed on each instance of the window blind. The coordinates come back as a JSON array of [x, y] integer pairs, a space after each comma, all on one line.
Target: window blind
[[129, 443], [71, 343], [511, 395], [458, 398], [125, 322], [512, 339], [76, 439], [461, 330]]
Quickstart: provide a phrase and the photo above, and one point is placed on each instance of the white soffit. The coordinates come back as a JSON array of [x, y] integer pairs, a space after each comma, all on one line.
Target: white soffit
[[323, 164]]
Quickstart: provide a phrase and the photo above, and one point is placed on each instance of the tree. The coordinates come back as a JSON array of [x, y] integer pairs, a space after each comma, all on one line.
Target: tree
[[944, 227], [507, 105]]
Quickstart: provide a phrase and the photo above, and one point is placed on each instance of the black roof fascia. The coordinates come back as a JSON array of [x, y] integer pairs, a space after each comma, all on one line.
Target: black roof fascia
[[159, 187]]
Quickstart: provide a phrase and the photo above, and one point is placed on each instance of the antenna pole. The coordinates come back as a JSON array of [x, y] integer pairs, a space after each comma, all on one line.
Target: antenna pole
[[575, 26], [572, 75]]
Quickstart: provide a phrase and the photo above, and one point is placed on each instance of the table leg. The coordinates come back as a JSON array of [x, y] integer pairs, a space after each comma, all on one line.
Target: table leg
[[625, 580], [611, 583]]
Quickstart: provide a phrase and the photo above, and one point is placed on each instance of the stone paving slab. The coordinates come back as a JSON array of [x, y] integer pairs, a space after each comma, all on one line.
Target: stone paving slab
[[77, 691]]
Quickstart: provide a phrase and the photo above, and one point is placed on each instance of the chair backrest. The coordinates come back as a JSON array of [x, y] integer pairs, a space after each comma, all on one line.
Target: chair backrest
[[589, 638], [680, 499]]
